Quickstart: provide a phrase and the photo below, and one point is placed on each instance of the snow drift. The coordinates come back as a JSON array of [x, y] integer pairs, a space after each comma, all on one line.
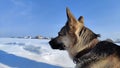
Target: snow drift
[[31, 53]]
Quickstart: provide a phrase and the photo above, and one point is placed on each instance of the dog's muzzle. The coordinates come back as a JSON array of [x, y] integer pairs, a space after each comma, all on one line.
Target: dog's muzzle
[[56, 45]]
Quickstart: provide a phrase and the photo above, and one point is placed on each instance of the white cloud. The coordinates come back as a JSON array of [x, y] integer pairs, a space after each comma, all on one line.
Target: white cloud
[[19, 9], [18, 2], [23, 7]]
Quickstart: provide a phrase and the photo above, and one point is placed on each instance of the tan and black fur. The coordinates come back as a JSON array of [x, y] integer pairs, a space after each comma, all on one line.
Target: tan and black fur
[[84, 47]]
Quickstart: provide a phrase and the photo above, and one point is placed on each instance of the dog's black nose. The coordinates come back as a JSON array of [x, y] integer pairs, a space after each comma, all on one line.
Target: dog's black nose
[[53, 44], [50, 42]]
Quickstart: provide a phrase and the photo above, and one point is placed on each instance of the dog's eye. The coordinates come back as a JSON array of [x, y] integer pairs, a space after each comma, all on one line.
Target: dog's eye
[[60, 34]]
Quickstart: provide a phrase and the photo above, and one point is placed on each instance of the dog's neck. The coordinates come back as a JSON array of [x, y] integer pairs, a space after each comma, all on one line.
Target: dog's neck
[[78, 53], [91, 45]]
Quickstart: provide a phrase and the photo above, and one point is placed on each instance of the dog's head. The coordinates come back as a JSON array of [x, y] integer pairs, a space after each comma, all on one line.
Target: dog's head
[[68, 35]]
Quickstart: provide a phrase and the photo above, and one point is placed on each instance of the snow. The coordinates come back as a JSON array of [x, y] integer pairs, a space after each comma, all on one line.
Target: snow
[[3, 66], [31, 53]]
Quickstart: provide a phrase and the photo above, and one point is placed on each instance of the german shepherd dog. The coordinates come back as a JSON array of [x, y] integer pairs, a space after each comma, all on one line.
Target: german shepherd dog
[[84, 47]]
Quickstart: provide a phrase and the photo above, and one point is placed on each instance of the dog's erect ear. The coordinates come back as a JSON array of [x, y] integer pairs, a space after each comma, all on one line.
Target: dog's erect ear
[[81, 19], [73, 24], [70, 17]]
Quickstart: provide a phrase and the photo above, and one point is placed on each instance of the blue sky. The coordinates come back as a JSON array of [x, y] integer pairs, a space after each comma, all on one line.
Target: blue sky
[[46, 17]]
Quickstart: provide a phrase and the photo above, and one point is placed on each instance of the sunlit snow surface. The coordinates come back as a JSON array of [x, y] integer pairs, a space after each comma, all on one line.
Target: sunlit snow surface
[[31, 53]]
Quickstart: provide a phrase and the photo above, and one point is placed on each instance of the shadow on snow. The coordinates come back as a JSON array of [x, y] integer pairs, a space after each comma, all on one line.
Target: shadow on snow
[[20, 62]]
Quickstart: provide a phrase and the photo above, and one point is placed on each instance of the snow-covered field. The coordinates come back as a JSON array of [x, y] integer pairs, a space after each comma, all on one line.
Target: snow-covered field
[[31, 53]]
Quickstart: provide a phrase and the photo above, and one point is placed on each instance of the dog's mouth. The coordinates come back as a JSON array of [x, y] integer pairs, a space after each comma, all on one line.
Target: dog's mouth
[[55, 45]]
